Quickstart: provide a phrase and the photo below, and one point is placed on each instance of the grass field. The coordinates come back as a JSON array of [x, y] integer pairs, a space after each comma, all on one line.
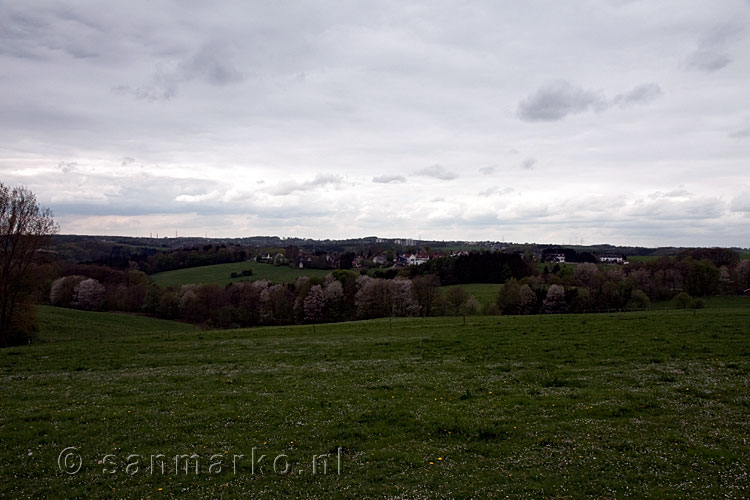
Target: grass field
[[485, 293], [220, 274], [633, 405], [56, 324]]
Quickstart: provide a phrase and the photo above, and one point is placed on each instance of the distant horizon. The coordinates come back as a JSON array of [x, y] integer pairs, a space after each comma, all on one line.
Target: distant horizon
[[416, 240]]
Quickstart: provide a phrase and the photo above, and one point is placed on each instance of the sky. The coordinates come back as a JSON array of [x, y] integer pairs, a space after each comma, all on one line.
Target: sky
[[599, 121]]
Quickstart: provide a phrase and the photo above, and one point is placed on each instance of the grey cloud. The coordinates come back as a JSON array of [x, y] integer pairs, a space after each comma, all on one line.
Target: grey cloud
[[669, 209], [740, 134], [642, 94], [741, 202], [528, 163], [39, 32], [495, 190], [286, 188], [711, 54], [210, 63], [148, 93], [708, 60], [675, 193], [309, 88], [389, 179], [67, 166], [437, 172], [557, 100], [131, 195]]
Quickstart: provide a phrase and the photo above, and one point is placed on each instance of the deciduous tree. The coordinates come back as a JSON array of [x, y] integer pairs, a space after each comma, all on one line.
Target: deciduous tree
[[24, 229]]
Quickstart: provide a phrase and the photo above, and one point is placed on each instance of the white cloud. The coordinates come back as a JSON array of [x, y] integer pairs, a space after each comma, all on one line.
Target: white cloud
[[197, 198], [292, 186]]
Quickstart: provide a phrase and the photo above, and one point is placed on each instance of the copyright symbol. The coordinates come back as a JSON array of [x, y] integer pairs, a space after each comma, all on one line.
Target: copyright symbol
[[69, 460]]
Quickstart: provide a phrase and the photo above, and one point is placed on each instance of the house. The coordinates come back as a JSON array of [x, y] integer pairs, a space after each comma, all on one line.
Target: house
[[417, 259], [556, 257], [266, 259], [358, 261], [611, 258], [379, 259]]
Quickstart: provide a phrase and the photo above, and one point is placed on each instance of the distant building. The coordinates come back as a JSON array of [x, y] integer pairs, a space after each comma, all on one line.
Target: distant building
[[379, 260], [611, 258], [556, 257], [417, 259]]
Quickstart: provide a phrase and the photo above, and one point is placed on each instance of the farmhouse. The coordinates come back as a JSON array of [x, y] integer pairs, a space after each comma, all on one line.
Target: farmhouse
[[556, 257], [611, 258], [417, 259]]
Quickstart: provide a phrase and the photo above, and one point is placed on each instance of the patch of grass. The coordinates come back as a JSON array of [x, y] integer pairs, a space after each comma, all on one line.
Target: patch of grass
[[485, 293], [220, 274], [648, 404], [57, 324]]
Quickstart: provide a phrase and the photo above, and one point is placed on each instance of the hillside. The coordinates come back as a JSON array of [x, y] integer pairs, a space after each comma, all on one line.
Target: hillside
[[221, 274], [650, 404]]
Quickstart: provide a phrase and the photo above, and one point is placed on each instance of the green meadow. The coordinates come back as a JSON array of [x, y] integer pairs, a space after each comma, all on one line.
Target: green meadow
[[630, 405], [485, 293], [221, 274]]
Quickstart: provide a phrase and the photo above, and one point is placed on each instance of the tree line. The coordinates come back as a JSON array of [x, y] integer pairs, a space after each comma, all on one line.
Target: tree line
[[29, 274]]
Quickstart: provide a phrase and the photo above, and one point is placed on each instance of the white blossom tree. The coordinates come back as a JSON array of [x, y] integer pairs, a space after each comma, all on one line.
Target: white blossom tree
[[89, 294]]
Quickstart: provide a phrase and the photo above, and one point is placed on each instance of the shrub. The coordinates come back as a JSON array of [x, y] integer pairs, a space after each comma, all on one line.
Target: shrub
[[638, 300], [63, 289], [683, 300]]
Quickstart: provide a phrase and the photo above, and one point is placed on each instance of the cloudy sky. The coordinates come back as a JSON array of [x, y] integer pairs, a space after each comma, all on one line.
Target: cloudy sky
[[598, 121]]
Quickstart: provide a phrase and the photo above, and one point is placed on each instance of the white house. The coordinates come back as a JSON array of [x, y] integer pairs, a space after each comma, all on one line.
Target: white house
[[611, 258], [417, 259]]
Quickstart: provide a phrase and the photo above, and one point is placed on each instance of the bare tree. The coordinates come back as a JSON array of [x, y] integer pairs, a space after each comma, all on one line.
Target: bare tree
[[457, 297], [24, 229], [426, 290]]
